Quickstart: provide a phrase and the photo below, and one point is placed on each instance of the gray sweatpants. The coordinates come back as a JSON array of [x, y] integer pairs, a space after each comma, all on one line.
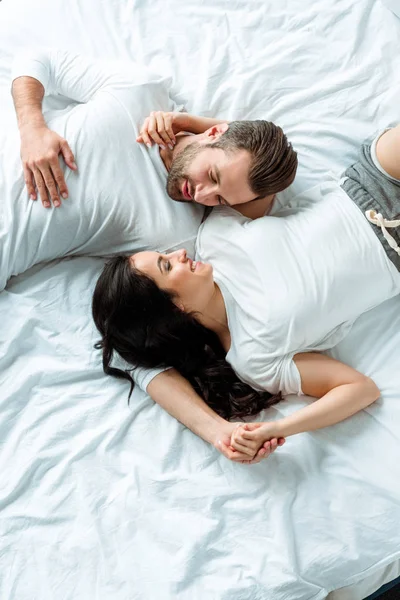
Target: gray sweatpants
[[371, 188]]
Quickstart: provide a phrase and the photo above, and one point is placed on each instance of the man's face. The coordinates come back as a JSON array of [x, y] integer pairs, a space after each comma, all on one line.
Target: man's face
[[210, 176]]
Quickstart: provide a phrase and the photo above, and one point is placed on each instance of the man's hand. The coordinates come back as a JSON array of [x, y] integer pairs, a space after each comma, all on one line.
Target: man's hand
[[40, 148], [160, 127], [246, 455]]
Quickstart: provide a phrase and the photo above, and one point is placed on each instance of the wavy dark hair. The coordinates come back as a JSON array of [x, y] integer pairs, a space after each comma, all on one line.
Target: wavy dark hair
[[141, 322]]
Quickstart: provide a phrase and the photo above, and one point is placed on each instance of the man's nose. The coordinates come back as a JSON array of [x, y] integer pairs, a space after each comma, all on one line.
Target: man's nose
[[205, 195]]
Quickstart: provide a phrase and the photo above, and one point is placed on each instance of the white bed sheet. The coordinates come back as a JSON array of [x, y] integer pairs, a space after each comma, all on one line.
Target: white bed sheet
[[103, 501]]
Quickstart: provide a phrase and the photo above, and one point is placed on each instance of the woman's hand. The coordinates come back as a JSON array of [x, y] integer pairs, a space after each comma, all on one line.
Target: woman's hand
[[253, 437], [247, 453], [40, 148], [160, 127]]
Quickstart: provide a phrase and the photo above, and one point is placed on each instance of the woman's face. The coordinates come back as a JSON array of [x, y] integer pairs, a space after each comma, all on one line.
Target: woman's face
[[191, 282]]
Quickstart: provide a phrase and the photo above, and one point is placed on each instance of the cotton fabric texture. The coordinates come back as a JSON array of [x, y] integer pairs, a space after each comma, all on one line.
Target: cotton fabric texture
[[294, 282], [117, 198]]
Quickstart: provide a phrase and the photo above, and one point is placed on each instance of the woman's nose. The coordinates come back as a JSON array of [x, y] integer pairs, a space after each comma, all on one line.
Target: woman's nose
[[182, 255], [179, 255]]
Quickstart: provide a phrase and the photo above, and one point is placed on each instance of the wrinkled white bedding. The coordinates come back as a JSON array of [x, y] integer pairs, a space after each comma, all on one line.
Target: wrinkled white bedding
[[104, 501]]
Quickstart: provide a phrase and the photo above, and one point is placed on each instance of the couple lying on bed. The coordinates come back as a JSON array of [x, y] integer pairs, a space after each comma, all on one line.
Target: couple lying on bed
[[280, 290], [246, 321]]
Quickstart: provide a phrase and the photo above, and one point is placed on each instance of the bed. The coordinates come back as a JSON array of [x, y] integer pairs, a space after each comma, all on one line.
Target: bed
[[103, 500]]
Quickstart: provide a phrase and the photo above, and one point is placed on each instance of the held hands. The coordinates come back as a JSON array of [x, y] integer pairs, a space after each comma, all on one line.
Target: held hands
[[160, 127], [250, 438], [40, 148], [231, 443]]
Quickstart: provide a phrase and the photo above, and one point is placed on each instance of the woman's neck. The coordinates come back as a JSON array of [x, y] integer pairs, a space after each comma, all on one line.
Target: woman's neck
[[214, 317]]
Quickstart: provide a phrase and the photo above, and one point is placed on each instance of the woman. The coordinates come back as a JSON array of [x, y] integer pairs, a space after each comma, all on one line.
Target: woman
[[262, 302]]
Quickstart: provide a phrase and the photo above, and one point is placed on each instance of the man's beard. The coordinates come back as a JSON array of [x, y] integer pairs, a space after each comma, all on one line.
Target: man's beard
[[179, 171]]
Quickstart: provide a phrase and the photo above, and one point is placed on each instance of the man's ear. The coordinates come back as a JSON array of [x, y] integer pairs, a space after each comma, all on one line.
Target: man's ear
[[215, 132]]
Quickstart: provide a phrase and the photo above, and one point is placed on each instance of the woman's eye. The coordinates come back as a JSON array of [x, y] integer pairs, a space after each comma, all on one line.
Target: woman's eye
[[213, 178], [168, 265]]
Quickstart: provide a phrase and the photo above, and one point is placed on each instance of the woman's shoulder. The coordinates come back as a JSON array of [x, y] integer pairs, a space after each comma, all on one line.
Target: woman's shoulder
[[224, 216], [263, 366], [221, 227]]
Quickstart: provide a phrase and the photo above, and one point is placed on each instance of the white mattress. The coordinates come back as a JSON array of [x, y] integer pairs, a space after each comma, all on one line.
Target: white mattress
[[104, 501]]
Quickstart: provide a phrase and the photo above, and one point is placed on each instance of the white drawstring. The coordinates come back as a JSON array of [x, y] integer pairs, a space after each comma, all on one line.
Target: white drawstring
[[377, 219]]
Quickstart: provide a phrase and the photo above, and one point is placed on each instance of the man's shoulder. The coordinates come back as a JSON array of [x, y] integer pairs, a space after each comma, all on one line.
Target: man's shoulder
[[139, 91]]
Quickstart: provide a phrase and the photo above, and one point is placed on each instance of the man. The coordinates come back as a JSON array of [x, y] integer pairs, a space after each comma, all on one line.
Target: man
[[250, 160], [116, 188]]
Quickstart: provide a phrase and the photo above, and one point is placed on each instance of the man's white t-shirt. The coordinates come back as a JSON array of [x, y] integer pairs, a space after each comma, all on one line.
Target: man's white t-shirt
[[117, 198], [294, 282]]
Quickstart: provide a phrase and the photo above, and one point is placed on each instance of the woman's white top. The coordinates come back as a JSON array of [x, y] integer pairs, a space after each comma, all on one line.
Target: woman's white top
[[294, 282]]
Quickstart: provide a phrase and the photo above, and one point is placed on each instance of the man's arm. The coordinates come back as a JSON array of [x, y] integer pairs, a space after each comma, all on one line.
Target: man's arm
[[388, 152], [40, 146], [36, 74], [27, 94], [65, 73], [42, 72], [161, 127], [195, 124], [175, 395]]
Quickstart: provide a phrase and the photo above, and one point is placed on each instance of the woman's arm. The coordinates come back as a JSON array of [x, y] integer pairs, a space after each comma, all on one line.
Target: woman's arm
[[175, 395], [342, 391]]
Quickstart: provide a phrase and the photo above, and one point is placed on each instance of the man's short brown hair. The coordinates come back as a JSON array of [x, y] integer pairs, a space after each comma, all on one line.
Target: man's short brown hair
[[273, 161]]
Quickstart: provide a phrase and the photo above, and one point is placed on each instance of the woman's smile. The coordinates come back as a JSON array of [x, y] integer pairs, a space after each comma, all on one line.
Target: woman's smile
[[195, 264]]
